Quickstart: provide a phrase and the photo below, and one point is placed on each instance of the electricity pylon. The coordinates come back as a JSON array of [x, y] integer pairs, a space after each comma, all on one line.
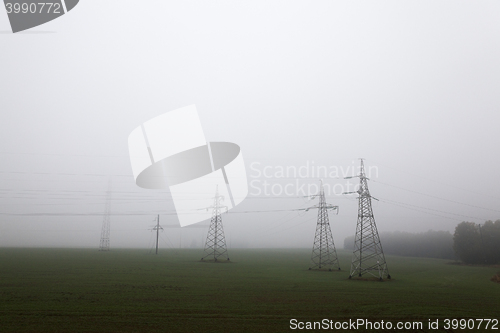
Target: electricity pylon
[[215, 245], [324, 255], [368, 256], [104, 243]]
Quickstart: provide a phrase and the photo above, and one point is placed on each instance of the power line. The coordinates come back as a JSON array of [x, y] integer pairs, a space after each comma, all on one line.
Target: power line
[[419, 210], [435, 210], [434, 180], [436, 197]]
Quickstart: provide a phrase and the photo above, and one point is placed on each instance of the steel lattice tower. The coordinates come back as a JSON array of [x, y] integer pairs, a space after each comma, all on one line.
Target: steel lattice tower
[[368, 256], [324, 255], [104, 244], [215, 245]]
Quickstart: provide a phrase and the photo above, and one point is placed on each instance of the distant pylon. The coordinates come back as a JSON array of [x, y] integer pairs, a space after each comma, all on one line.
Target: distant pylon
[[215, 245], [368, 256], [104, 243], [324, 255], [157, 228]]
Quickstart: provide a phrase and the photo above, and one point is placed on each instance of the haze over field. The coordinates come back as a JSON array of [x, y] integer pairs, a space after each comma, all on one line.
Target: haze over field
[[304, 88]]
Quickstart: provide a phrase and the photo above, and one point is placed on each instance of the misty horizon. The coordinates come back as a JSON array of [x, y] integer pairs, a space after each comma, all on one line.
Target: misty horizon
[[412, 88]]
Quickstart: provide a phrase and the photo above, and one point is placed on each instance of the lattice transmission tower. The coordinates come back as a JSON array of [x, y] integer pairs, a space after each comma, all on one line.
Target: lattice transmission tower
[[368, 256], [215, 245], [104, 243], [324, 254]]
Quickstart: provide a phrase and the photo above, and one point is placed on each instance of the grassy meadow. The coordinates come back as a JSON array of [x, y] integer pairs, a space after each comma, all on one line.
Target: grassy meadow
[[125, 290]]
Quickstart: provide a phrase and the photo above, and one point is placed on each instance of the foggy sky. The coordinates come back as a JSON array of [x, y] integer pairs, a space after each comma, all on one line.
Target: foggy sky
[[410, 86]]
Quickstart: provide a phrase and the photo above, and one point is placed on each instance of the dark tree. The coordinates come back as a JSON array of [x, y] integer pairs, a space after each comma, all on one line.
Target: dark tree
[[467, 243], [478, 244], [490, 237]]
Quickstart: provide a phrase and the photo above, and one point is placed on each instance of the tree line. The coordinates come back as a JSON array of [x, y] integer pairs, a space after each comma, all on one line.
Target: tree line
[[471, 243], [429, 244]]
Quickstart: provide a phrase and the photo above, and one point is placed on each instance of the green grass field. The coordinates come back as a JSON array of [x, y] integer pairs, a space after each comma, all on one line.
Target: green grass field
[[81, 290]]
